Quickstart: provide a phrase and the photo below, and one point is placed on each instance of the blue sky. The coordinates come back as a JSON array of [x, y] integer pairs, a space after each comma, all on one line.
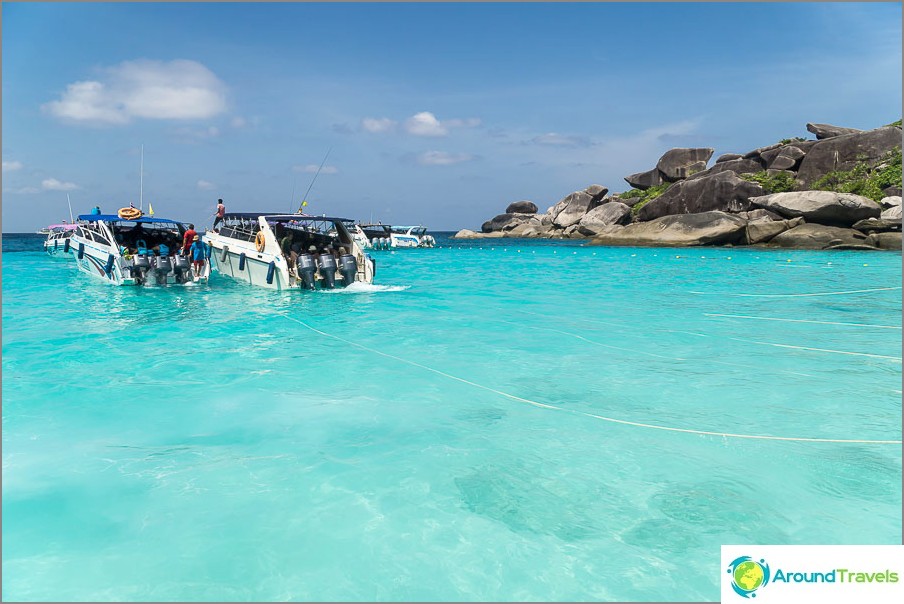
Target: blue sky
[[440, 114]]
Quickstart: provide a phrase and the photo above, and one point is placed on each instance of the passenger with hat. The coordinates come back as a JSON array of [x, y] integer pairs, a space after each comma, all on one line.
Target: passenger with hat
[[198, 254]]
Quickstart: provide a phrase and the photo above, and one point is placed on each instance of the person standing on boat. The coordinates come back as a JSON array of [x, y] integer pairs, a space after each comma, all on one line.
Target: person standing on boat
[[188, 238], [197, 255], [221, 213], [95, 211]]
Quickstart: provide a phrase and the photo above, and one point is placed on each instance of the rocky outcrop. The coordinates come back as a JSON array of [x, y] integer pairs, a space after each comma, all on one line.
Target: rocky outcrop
[[824, 207], [597, 192], [645, 180], [608, 214], [505, 222], [817, 236], [521, 207], [760, 231], [823, 131], [468, 234], [877, 225], [885, 241], [788, 158], [724, 192], [570, 210], [738, 166], [686, 187], [706, 228], [845, 151], [676, 164]]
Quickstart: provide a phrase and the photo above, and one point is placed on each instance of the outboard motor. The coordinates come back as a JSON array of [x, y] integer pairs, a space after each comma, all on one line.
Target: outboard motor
[[305, 268], [349, 268], [328, 270], [164, 266], [140, 267], [182, 269]]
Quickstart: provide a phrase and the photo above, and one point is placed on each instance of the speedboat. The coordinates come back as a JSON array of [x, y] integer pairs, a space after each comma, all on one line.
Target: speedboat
[[384, 236], [57, 237], [288, 251], [130, 248]]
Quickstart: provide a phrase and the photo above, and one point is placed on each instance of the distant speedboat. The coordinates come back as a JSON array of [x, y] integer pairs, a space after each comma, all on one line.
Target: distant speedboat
[[384, 236], [274, 251], [129, 248], [57, 237]]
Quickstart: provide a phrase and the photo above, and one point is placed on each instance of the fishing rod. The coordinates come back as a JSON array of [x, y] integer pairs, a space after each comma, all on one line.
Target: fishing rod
[[304, 199]]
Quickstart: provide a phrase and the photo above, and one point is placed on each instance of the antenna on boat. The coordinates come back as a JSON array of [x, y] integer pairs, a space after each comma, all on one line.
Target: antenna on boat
[[71, 219], [304, 199], [292, 200], [141, 181]]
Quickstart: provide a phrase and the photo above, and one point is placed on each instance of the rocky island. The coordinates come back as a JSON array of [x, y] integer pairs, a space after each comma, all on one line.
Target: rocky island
[[839, 191]]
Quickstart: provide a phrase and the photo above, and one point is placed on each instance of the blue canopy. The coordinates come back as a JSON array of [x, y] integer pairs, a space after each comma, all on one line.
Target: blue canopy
[[116, 218]]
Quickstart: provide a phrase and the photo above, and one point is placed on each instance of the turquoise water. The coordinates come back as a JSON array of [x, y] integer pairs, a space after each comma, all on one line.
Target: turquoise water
[[218, 442]]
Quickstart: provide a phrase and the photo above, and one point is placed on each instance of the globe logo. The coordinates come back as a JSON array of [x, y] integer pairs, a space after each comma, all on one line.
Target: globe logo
[[748, 575]]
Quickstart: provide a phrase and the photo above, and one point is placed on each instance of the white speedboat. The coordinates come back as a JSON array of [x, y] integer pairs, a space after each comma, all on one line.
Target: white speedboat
[[275, 251], [129, 248], [384, 236], [57, 237]]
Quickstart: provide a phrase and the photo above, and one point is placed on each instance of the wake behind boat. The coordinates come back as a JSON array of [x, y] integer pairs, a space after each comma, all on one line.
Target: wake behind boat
[[289, 251], [132, 249]]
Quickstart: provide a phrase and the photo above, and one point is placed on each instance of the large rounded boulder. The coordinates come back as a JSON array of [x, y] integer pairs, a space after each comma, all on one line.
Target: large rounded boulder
[[721, 192], [705, 228], [521, 207], [824, 207]]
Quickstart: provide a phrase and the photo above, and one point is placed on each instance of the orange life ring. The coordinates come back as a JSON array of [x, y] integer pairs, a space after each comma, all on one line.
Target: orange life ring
[[259, 241], [129, 213]]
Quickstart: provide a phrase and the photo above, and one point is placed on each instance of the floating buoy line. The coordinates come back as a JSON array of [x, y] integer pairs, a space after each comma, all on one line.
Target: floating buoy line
[[592, 415]]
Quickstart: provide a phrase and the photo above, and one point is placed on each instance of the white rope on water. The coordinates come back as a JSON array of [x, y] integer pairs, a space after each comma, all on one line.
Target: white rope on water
[[856, 354], [593, 415], [707, 314], [852, 291]]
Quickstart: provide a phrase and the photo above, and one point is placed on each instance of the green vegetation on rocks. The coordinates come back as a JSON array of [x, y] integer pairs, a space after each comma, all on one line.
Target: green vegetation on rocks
[[788, 141], [774, 183], [863, 179], [898, 124], [644, 196]]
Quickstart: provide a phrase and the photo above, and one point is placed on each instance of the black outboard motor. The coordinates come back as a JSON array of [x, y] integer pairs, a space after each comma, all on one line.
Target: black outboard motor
[[349, 268], [182, 269], [140, 266], [164, 266], [304, 266], [328, 270]]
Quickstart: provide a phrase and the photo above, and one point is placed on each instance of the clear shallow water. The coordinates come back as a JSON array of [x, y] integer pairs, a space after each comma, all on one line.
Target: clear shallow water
[[206, 443]]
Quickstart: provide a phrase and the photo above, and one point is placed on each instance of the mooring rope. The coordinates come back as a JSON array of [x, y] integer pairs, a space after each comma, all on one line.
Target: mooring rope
[[593, 415], [841, 293]]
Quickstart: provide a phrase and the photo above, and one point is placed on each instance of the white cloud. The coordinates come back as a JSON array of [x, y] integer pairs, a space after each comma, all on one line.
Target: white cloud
[[441, 158], [312, 169], [204, 185], [425, 124], [238, 122], [378, 125], [52, 184], [175, 90], [12, 166]]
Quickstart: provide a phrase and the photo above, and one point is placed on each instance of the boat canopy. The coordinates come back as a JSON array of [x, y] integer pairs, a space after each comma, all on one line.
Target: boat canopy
[[116, 218], [281, 217], [63, 227]]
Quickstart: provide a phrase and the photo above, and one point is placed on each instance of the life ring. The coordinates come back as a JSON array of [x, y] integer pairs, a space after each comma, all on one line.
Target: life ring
[[259, 242], [129, 213]]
